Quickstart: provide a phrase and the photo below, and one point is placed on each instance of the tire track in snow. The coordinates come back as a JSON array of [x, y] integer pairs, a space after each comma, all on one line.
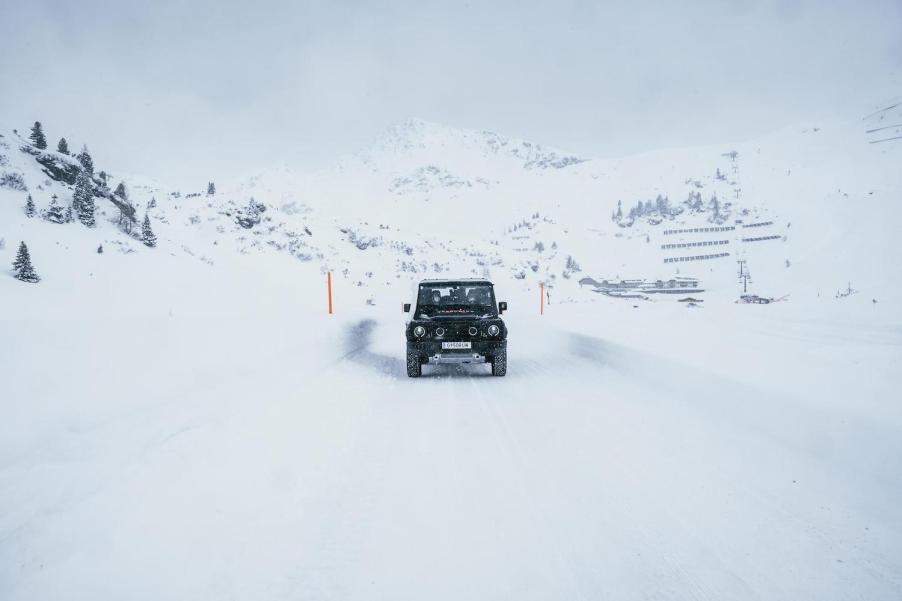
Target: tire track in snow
[[509, 448]]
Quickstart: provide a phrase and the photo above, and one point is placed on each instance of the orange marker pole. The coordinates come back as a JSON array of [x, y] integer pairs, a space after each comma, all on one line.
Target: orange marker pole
[[329, 289], [541, 298]]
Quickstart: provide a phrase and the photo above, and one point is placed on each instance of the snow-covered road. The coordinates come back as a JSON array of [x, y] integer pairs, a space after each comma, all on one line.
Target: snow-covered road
[[275, 460]]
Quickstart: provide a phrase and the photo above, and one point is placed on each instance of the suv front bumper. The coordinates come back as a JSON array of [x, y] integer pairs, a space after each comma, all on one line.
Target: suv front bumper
[[480, 351], [456, 358]]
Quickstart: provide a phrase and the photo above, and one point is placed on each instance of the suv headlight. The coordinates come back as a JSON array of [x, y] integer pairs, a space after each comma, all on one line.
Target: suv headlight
[[419, 331], [494, 330]]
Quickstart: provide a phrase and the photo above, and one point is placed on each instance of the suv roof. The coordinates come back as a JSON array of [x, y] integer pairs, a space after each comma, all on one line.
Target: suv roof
[[457, 280]]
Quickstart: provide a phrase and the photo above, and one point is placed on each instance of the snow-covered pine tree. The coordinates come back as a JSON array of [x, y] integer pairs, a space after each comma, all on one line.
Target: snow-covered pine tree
[[84, 157], [211, 189], [250, 216], [147, 235], [62, 146], [29, 206], [662, 205], [37, 136], [121, 190], [100, 249], [152, 203], [83, 199], [54, 212], [76, 194], [22, 267], [619, 213]]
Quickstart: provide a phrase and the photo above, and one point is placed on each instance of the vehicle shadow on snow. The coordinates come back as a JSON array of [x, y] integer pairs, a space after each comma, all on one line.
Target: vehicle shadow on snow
[[592, 349], [357, 343], [478, 370], [358, 340]]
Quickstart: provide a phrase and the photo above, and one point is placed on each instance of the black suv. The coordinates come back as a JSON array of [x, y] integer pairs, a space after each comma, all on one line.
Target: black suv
[[456, 321]]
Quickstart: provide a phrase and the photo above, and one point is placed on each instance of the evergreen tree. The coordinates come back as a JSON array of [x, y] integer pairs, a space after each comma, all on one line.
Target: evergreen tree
[[147, 235], [22, 268], [211, 189], [715, 209], [62, 146], [37, 136], [619, 213], [122, 191], [571, 264], [152, 203], [104, 176], [251, 215], [84, 157], [54, 211], [100, 249], [29, 207], [83, 199]]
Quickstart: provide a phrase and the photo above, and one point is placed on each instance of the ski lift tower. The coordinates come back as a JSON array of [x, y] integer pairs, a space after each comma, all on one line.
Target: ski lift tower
[[744, 276]]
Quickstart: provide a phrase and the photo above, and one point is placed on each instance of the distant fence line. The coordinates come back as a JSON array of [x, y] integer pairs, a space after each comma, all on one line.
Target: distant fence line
[[691, 244], [695, 258], [762, 238], [761, 224], [701, 230]]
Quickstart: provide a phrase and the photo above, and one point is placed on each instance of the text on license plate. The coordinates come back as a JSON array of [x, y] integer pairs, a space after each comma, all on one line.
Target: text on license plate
[[455, 345]]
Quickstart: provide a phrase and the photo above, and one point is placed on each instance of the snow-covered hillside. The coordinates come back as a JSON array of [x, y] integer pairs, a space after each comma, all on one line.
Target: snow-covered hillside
[[185, 421], [811, 209]]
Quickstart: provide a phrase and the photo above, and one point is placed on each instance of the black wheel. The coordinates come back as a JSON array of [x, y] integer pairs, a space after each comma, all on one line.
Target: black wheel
[[414, 367], [499, 363]]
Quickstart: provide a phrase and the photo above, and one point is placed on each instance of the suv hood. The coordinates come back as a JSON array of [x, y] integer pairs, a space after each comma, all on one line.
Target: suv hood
[[455, 316]]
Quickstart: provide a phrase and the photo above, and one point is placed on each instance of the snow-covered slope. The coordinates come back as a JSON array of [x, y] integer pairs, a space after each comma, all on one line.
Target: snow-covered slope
[[427, 199], [187, 422], [822, 191]]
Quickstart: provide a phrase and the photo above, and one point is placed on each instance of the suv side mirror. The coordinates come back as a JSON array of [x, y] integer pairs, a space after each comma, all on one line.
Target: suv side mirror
[[406, 307], [502, 307]]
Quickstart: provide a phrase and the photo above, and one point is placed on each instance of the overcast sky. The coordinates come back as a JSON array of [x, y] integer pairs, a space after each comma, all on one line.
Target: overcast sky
[[188, 91]]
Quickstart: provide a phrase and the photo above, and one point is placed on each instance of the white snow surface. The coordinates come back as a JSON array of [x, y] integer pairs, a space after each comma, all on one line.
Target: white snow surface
[[187, 421]]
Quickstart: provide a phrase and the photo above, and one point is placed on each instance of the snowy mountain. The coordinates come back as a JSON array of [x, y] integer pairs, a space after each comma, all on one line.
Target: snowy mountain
[[186, 421], [417, 140], [428, 199]]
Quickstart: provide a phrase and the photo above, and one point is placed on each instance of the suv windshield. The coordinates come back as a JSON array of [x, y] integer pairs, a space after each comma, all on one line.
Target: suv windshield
[[450, 298]]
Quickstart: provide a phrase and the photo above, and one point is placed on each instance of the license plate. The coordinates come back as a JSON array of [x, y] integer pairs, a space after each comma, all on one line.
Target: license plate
[[455, 345]]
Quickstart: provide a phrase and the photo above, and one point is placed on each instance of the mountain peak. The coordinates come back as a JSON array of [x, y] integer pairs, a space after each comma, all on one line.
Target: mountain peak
[[425, 142]]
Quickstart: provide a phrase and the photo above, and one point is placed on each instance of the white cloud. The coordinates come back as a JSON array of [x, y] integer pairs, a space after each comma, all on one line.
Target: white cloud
[[192, 91]]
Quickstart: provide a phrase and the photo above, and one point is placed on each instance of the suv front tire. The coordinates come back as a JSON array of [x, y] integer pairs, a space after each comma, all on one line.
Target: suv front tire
[[414, 367], [499, 363]]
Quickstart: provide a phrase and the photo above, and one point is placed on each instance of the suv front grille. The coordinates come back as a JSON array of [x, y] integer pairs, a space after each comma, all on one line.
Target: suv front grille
[[457, 331]]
